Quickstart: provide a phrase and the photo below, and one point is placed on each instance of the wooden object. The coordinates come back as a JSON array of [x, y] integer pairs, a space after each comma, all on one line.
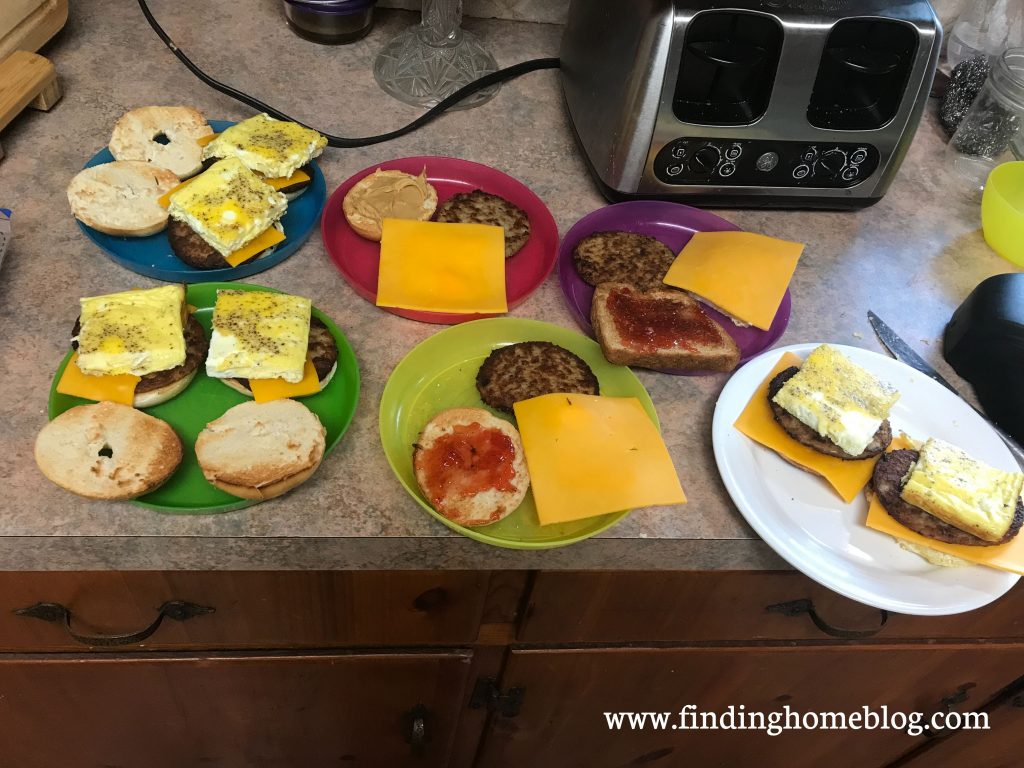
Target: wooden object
[[27, 25], [26, 80], [567, 693]]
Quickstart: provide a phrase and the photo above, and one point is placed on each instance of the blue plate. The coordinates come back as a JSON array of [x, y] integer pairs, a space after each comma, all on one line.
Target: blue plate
[[152, 256]]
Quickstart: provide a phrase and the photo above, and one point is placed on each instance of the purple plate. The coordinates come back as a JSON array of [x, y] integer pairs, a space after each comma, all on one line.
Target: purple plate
[[673, 224]]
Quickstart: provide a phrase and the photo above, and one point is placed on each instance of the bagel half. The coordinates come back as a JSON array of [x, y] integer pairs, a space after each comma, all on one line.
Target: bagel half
[[107, 451], [470, 466], [372, 199], [120, 198], [167, 137], [259, 451]]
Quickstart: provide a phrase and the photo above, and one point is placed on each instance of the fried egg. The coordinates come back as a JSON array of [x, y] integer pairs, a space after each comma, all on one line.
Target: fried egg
[[136, 332], [274, 148], [962, 491], [227, 205], [259, 335], [838, 399]]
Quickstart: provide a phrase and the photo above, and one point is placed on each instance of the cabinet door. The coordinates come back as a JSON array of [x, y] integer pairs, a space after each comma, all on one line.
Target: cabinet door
[[566, 693], [222, 711], [998, 747]]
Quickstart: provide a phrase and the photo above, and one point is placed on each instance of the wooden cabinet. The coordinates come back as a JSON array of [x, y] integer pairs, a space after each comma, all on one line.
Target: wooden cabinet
[[565, 694], [232, 711], [486, 669]]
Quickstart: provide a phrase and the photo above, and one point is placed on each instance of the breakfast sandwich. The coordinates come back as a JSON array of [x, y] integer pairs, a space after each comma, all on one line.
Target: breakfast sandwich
[[470, 466], [529, 369], [224, 216], [279, 151], [833, 406], [479, 207], [137, 348], [269, 345], [942, 493]]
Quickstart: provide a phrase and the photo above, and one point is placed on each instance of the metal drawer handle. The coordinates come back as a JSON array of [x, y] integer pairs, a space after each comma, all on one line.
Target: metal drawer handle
[[58, 614], [805, 606], [416, 728]]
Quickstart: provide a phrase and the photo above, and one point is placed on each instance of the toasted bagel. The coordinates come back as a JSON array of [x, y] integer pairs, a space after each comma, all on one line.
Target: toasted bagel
[[261, 450], [107, 451], [167, 137]]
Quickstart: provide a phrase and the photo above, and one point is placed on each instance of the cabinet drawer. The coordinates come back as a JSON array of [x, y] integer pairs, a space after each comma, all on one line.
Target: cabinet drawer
[[733, 606], [250, 609], [231, 710]]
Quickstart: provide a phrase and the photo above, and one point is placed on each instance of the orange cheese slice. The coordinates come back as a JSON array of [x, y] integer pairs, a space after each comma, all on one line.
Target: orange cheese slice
[[118, 389], [265, 390], [437, 267], [590, 455], [277, 183], [741, 273], [848, 478], [1005, 557], [268, 238]]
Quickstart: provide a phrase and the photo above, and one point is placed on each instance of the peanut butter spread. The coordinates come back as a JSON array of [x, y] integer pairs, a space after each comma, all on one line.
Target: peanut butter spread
[[391, 195]]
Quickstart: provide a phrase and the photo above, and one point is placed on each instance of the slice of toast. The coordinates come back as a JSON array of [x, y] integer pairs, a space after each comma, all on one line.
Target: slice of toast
[[660, 329]]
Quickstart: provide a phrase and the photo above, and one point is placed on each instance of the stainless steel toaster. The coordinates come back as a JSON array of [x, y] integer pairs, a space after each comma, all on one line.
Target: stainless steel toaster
[[755, 103]]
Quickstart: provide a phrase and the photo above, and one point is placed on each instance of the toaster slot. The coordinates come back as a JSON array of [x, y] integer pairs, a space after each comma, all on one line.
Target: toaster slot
[[862, 75], [727, 69]]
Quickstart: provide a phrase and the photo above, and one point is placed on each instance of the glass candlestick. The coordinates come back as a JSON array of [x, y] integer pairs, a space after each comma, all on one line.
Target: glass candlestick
[[433, 59]]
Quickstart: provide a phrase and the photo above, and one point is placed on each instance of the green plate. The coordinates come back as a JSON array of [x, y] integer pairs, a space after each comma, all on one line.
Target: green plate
[[206, 399], [440, 373]]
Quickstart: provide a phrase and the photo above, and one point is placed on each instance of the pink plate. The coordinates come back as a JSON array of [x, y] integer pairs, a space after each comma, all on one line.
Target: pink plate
[[358, 258]]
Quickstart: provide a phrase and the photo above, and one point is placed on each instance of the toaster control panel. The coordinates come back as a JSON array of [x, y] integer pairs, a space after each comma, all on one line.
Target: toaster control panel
[[765, 163]]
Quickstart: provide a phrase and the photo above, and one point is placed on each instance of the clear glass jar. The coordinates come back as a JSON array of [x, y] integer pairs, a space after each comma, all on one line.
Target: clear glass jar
[[995, 123]]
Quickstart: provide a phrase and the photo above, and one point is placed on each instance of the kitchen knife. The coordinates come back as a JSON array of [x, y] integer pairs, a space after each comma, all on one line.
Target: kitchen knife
[[899, 349]]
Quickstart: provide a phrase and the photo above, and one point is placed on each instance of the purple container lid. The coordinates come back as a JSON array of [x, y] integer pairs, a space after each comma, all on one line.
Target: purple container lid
[[332, 7], [674, 225]]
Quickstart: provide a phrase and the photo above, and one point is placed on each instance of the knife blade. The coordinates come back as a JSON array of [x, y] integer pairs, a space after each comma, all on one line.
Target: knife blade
[[899, 349]]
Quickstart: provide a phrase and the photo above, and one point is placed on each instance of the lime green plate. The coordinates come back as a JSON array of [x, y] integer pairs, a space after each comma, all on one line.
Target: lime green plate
[[440, 373], [206, 399]]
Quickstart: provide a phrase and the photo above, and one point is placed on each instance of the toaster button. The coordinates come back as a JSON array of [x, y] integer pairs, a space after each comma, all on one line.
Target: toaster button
[[849, 173], [733, 153], [801, 171], [832, 162], [858, 156], [727, 169], [678, 151], [705, 159], [809, 155]]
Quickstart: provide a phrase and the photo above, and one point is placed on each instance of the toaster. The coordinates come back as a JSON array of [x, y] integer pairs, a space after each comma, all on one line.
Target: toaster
[[756, 103]]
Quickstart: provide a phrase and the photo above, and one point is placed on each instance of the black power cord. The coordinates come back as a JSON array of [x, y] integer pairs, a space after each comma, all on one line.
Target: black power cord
[[338, 141]]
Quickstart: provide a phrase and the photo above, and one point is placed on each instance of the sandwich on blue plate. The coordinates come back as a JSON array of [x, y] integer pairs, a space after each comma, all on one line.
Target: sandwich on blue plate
[[278, 151], [224, 216]]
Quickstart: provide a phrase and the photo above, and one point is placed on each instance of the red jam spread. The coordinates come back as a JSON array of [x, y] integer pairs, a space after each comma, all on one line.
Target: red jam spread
[[650, 324], [468, 461]]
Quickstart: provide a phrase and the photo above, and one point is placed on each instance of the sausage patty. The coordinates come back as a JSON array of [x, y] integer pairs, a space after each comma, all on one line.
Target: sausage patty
[[809, 437], [530, 369], [891, 473]]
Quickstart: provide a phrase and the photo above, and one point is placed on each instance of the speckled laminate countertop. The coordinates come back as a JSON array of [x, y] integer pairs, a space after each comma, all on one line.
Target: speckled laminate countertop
[[912, 258]]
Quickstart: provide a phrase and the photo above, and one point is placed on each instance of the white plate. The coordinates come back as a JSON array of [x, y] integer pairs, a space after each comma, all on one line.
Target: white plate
[[803, 520]]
